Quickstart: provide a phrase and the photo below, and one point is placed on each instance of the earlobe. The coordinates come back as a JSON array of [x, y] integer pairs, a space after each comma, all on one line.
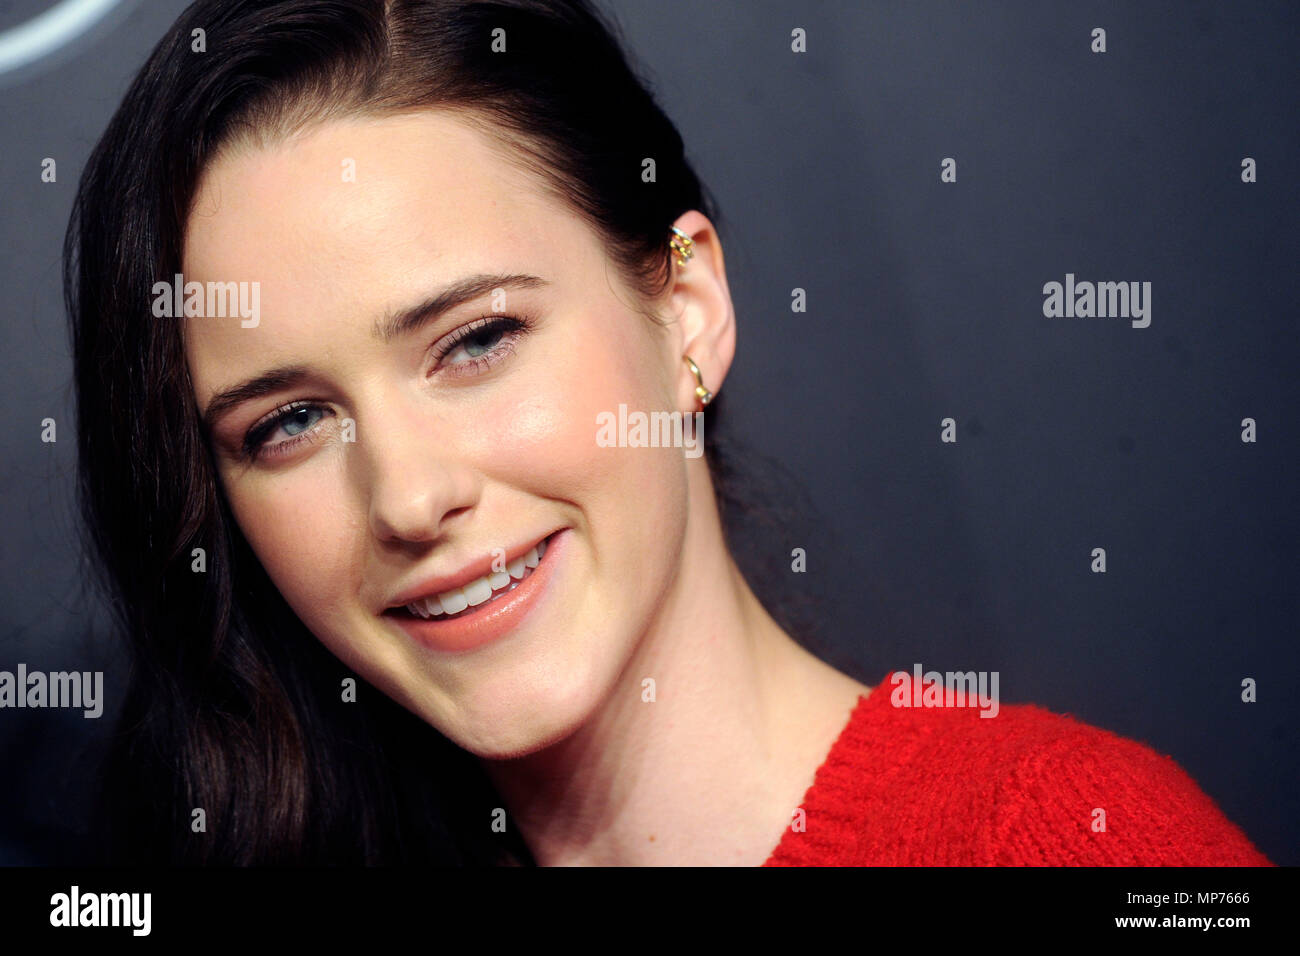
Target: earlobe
[[702, 393]]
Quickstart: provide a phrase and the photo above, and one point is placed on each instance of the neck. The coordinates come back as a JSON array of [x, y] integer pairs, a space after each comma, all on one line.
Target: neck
[[704, 766]]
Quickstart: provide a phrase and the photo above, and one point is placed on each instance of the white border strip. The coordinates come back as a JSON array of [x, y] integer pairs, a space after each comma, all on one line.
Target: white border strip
[[43, 34]]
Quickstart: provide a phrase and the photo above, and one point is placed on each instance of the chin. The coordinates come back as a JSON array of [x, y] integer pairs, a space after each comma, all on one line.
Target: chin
[[531, 716]]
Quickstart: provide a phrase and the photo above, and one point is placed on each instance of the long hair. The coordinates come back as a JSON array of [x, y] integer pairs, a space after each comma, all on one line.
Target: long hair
[[234, 746]]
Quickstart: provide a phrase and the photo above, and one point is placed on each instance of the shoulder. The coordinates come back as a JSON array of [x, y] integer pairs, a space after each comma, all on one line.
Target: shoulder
[[1038, 787], [1086, 796]]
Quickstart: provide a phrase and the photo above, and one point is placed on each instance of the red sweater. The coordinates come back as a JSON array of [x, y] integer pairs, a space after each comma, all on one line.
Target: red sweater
[[943, 786]]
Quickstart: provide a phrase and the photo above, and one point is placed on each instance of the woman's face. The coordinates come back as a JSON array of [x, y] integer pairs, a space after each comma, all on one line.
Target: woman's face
[[411, 462]]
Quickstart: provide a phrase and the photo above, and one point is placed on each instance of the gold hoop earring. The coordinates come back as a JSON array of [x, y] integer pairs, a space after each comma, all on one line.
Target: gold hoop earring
[[703, 393], [681, 245]]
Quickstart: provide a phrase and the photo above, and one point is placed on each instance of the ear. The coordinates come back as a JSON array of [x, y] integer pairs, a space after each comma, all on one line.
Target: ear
[[700, 303]]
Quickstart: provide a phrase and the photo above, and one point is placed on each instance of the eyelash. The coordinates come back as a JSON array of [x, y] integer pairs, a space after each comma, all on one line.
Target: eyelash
[[510, 327]]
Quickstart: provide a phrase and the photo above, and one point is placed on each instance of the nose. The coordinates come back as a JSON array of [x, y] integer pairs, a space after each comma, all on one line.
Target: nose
[[416, 482]]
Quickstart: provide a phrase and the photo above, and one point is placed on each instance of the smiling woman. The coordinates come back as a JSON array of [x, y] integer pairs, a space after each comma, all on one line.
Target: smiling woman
[[395, 473], [475, 239]]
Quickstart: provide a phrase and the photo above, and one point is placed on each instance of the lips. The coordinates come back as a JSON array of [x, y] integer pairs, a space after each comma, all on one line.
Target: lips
[[431, 589], [504, 608], [489, 587]]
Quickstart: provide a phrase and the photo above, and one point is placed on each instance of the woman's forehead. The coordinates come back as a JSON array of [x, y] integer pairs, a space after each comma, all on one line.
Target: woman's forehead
[[350, 192]]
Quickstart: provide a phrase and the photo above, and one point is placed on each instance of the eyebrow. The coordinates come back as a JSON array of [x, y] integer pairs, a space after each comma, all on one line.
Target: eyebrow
[[461, 291], [392, 326]]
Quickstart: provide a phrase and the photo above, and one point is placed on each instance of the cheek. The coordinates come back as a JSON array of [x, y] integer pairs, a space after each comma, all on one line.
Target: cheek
[[542, 436], [285, 520]]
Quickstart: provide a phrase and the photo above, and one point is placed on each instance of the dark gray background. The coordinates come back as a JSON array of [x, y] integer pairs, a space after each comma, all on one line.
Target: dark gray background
[[924, 301]]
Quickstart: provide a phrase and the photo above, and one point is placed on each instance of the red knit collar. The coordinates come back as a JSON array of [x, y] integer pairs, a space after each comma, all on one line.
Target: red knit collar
[[837, 786]]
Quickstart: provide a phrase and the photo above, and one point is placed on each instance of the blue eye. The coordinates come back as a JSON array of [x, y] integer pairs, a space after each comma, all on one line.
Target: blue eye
[[482, 342], [478, 343], [296, 420]]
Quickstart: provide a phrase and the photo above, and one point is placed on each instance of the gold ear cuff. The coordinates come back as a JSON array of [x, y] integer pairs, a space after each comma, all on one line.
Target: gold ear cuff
[[681, 245]]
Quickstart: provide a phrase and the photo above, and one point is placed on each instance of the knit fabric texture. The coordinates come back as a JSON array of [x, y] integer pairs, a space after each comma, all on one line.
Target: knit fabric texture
[[943, 786]]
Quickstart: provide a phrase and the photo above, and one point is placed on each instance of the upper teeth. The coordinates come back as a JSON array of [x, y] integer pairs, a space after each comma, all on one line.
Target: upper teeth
[[480, 589]]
